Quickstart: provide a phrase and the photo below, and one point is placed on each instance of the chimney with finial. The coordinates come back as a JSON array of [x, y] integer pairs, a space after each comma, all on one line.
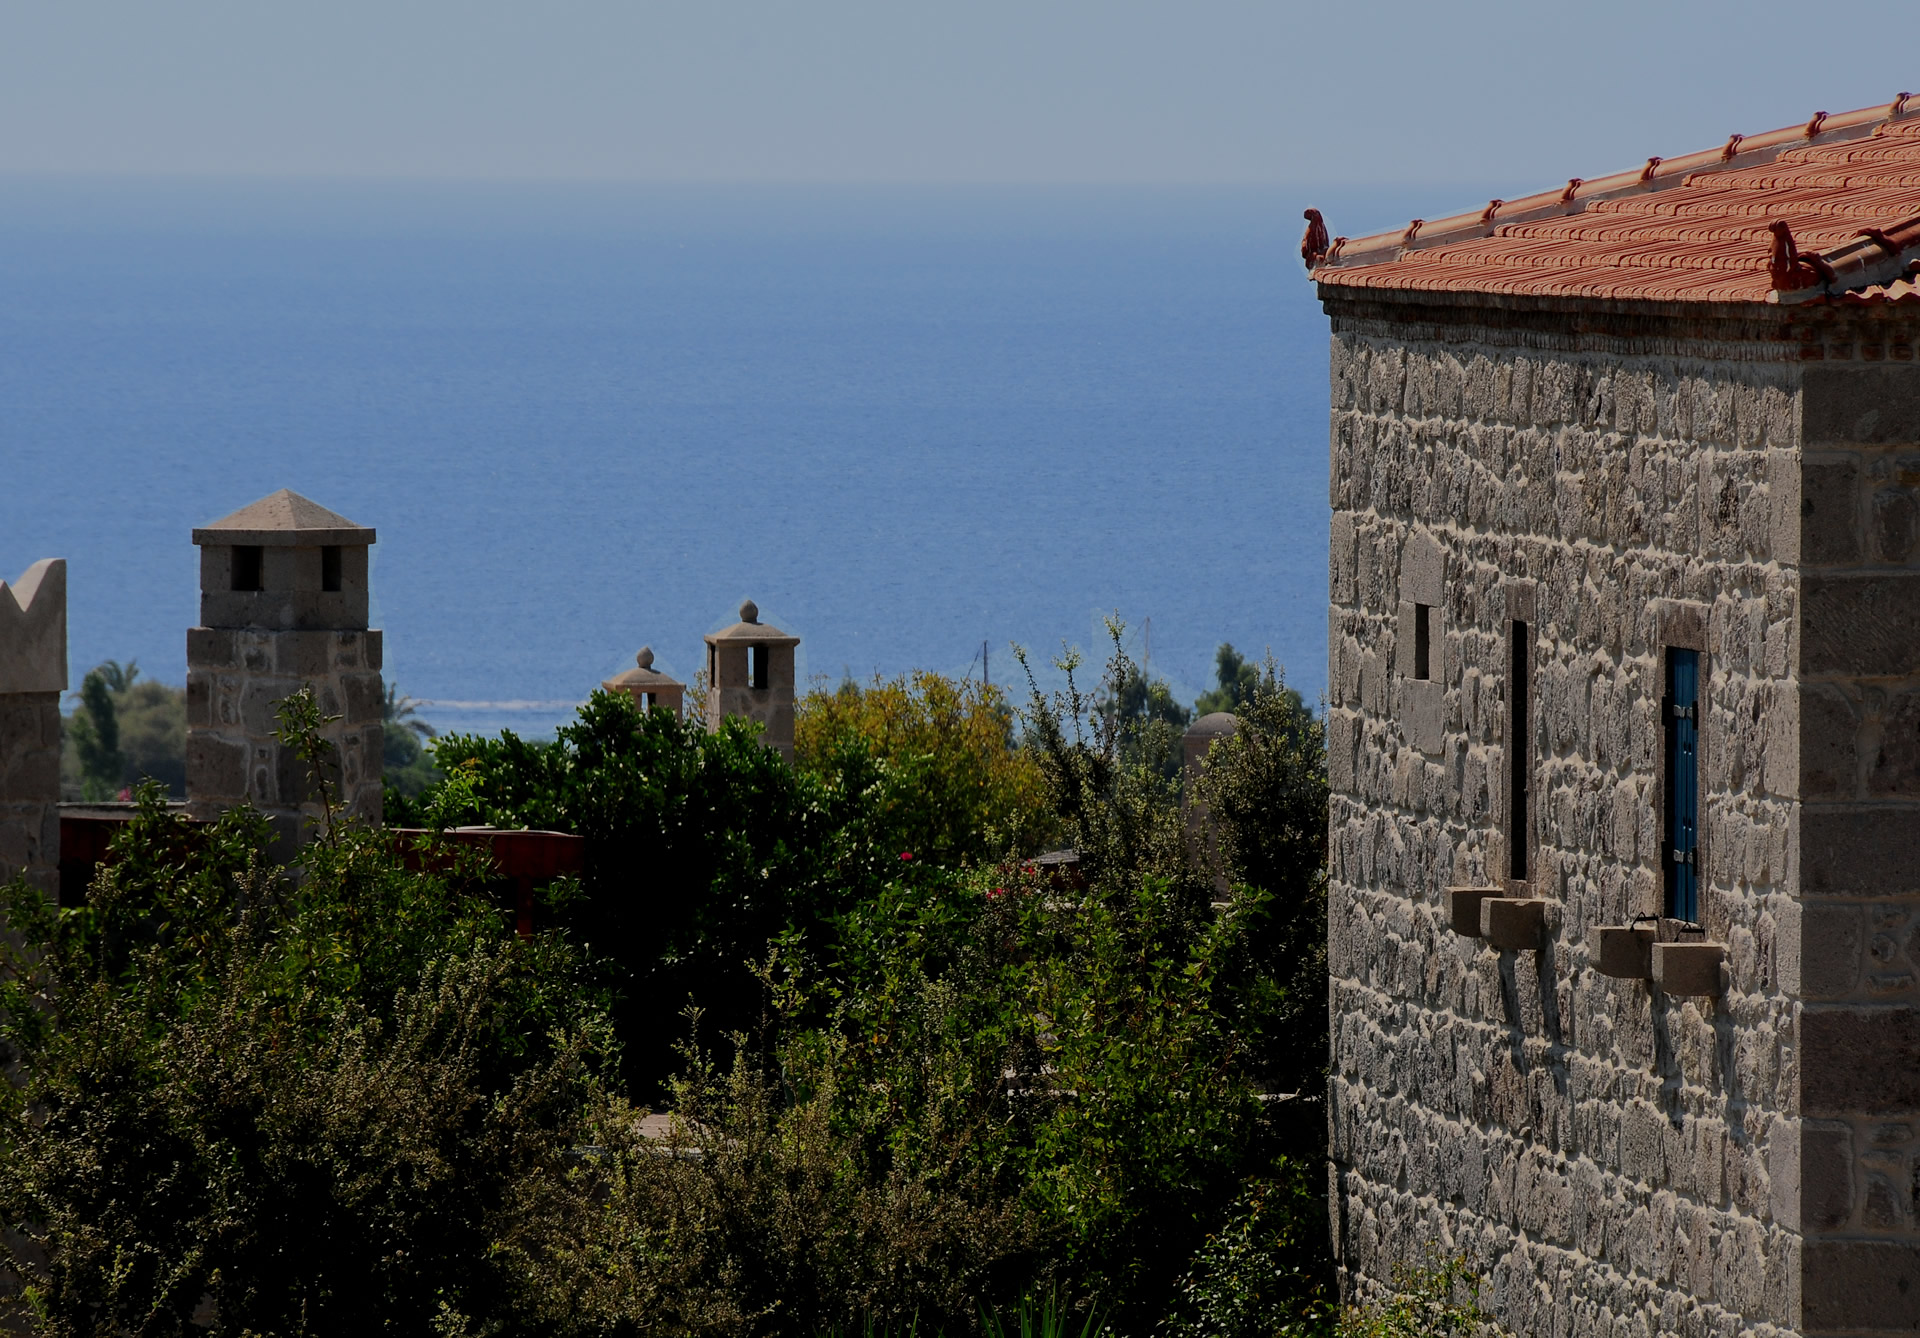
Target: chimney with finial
[[750, 673], [648, 686]]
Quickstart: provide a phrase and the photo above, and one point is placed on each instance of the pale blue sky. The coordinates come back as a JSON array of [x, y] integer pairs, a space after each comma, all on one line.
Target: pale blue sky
[[1172, 91]]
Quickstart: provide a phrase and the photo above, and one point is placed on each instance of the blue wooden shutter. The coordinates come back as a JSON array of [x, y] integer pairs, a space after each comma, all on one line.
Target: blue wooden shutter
[[1683, 784]]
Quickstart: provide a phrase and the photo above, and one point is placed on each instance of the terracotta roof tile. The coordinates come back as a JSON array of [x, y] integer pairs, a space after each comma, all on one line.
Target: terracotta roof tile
[[1695, 229]]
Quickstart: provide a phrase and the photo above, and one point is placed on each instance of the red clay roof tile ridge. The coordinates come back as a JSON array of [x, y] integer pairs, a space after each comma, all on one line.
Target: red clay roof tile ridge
[[1739, 152]]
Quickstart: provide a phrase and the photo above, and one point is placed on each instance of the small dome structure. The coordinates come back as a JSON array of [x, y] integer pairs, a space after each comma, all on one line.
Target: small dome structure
[[1203, 733], [648, 686], [750, 673]]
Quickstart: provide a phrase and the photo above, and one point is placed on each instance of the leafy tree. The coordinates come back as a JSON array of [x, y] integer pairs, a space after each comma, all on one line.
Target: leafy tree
[[955, 787], [1151, 723], [334, 1105], [127, 729], [96, 732], [406, 765], [1265, 793], [1237, 679]]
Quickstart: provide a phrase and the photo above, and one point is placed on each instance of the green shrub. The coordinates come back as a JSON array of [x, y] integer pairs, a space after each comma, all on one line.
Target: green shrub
[[302, 1106], [1438, 1300]]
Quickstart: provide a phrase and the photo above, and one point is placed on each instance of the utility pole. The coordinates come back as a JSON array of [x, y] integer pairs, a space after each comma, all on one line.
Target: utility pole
[[986, 674]]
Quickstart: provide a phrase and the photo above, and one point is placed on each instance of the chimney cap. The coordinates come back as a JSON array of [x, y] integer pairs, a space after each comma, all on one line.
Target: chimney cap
[[751, 629], [284, 519], [642, 677]]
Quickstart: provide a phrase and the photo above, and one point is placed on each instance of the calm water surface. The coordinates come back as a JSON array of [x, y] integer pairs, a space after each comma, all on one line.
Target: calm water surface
[[906, 422]]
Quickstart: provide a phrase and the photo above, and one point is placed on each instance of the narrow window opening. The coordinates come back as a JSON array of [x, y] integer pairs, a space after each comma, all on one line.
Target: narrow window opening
[[330, 568], [648, 700], [713, 668], [757, 666], [1519, 752], [246, 567], [1423, 641], [1682, 730]]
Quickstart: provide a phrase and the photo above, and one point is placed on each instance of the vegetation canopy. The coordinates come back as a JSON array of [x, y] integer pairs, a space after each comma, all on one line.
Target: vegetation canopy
[[905, 1071]]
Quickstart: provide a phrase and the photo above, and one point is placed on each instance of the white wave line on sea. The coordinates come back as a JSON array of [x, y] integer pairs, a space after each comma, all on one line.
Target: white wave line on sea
[[568, 705]]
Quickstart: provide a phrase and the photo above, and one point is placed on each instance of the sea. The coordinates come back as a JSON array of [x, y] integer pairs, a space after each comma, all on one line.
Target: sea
[[920, 427]]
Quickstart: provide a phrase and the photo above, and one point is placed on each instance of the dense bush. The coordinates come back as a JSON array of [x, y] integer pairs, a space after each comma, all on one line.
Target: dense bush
[[319, 1105], [956, 789], [926, 1074]]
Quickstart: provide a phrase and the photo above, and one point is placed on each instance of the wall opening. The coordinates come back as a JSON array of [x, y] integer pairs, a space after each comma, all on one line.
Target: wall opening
[[1423, 641], [247, 565], [330, 568], [649, 700], [1682, 738], [1519, 748], [757, 666]]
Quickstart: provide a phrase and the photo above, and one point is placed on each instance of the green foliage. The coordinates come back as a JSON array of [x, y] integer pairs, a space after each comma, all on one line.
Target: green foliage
[[335, 1105], [1264, 790], [701, 849], [1149, 723], [1439, 1300], [1237, 680], [406, 765], [125, 730], [1262, 1272], [951, 784]]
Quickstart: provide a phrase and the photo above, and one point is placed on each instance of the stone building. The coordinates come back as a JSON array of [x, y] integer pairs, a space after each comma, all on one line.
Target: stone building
[[283, 604], [1624, 741], [750, 673], [33, 674]]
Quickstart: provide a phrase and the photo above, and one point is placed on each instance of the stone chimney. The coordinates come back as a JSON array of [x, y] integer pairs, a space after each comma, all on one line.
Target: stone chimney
[[750, 673], [33, 674], [283, 604], [647, 686]]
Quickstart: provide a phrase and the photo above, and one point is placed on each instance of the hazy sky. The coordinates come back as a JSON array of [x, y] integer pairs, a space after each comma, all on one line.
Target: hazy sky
[[1215, 91]]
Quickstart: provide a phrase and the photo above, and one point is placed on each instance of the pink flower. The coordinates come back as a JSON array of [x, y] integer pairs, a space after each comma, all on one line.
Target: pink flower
[[993, 892], [906, 854]]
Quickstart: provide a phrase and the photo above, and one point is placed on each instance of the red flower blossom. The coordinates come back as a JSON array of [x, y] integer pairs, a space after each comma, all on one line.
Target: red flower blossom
[[906, 854]]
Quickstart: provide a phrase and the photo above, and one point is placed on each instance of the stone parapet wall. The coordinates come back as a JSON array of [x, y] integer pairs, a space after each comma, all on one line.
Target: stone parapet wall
[[1616, 1159], [236, 678], [30, 728]]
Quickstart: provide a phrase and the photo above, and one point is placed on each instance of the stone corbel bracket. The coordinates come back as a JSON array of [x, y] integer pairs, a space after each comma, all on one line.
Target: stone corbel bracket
[[1513, 924], [1624, 952], [1688, 969]]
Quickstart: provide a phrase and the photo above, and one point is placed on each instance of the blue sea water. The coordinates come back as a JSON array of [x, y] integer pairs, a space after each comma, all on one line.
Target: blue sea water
[[906, 422]]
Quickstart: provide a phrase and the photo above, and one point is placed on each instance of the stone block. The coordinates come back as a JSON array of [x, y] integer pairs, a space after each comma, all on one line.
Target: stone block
[[1857, 1060], [1784, 505], [216, 767], [1859, 850], [1688, 969], [1829, 729], [1463, 908], [1423, 715], [1832, 946], [1843, 405], [1829, 510], [1895, 768], [303, 655], [1860, 625], [365, 698], [212, 648], [1513, 924], [200, 687], [1860, 1286], [1423, 570], [1624, 952]]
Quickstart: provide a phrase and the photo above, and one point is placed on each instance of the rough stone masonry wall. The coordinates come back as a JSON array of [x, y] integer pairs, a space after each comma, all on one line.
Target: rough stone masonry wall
[[30, 788], [236, 677], [1598, 1150], [1857, 1145]]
